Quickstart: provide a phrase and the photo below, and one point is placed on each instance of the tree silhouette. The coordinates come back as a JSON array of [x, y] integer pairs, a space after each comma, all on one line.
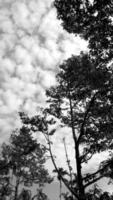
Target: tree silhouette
[[82, 101], [84, 91], [40, 195], [25, 195], [23, 160], [93, 21]]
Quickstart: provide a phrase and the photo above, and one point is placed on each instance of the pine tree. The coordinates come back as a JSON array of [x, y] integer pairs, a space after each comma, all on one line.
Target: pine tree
[[23, 160], [82, 101]]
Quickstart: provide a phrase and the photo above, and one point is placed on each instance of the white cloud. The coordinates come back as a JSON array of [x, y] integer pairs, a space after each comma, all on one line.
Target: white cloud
[[32, 44], [21, 55], [50, 27], [8, 66], [20, 14], [47, 78]]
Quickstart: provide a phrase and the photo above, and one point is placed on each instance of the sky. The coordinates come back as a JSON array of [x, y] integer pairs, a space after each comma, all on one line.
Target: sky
[[32, 45]]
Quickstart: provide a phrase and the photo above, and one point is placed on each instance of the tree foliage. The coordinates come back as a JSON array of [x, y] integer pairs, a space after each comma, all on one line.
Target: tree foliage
[[22, 162], [82, 101], [92, 20]]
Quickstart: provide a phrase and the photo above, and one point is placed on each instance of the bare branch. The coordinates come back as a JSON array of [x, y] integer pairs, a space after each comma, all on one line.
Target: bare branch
[[57, 170], [68, 161]]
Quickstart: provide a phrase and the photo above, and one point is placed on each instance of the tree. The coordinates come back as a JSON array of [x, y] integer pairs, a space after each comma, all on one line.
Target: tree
[[24, 160], [40, 195], [93, 21], [5, 188], [82, 100], [25, 195]]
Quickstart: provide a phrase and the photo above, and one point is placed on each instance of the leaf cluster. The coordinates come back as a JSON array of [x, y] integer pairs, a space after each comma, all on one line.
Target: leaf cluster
[[92, 20]]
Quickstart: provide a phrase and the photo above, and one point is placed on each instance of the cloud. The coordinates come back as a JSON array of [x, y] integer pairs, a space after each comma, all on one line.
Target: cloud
[[32, 44]]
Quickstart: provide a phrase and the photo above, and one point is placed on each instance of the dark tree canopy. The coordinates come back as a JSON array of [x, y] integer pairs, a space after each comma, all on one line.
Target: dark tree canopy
[[90, 90], [22, 161], [92, 20], [82, 100], [26, 157]]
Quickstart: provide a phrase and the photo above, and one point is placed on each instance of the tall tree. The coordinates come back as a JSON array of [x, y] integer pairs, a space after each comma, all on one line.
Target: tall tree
[[24, 160], [83, 101], [93, 21]]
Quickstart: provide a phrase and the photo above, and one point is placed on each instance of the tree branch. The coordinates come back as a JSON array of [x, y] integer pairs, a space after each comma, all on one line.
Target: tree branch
[[98, 171], [72, 120], [85, 117], [91, 176], [68, 161], [93, 181], [83, 159], [57, 170]]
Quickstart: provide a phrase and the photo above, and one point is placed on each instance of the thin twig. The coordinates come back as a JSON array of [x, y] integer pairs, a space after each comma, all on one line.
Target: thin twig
[[68, 161], [57, 170]]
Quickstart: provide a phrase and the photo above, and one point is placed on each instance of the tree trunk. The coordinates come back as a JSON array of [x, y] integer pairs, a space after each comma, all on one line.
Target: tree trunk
[[77, 156], [16, 189], [79, 175], [81, 190]]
